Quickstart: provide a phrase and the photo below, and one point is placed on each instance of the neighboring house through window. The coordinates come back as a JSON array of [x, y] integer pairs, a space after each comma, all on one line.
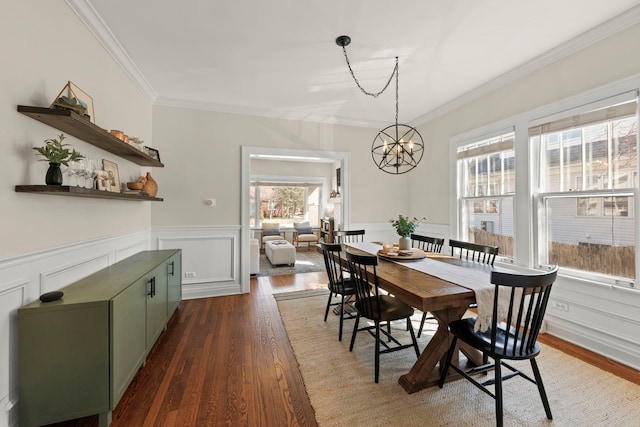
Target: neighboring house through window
[[586, 187], [581, 188], [486, 182]]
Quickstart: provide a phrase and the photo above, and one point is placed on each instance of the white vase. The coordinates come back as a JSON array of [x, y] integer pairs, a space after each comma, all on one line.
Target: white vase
[[404, 244]]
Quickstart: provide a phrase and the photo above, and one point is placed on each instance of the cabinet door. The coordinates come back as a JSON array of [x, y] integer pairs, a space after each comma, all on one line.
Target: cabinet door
[[156, 304], [174, 271], [128, 334], [63, 362]]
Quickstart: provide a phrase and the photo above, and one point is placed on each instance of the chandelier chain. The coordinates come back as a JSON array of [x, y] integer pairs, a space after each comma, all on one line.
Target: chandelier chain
[[397, 72], [397, 149], [375, 95]]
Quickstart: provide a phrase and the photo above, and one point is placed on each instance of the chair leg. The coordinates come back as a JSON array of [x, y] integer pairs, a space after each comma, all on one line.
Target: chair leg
[[413, 337], [341, 317], [447, 363], [326, 312], [377, 370], [355, 331], [498, 389], [424, 317], [543, 394]]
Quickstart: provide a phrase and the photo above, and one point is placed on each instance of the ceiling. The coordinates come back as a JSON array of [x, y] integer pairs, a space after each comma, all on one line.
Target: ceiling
[[279, 58]]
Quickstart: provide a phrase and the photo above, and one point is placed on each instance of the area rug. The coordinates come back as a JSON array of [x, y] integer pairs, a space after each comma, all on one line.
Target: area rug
[[307, 261], [342, 391]]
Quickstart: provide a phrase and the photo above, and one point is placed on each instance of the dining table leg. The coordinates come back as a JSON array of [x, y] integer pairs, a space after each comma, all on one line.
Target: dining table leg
[[426, 371]]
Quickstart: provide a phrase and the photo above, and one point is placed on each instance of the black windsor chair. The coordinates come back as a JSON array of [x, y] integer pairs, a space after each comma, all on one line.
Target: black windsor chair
[[338, 283], [373, 305], [348, 236], [484, 254], [429, 244], [513, 339]]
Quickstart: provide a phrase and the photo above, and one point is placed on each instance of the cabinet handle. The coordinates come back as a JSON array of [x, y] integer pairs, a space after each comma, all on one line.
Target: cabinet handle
[[171, 268], [152, 287]]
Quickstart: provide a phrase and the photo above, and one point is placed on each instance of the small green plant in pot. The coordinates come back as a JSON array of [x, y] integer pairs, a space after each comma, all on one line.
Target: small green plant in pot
[[57, 153], [404, 226]]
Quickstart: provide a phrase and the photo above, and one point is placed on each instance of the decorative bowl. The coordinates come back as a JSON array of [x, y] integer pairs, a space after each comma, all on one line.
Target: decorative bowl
[[120, 135], [135, 185]]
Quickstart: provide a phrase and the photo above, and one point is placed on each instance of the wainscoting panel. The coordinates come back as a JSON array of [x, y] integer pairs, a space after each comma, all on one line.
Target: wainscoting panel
[[210, 258], [602, 318], [60, 276], [12, 297], [25, 277], [132, 249]]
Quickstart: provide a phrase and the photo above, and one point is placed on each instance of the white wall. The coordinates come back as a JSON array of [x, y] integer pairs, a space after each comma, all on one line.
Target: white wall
[[44, 46], [201, 151], [47, 242]]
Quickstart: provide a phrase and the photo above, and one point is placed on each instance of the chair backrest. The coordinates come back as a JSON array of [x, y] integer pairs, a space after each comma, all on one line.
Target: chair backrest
[[362, 269], [348, 236], [331, 253], [527, 296], [484, 254], [427, 243], [303, 227], [270, 229]]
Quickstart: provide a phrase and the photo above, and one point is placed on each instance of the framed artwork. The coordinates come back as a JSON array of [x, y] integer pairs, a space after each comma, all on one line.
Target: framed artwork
[[71, 97], [111, 170], [152, 152]]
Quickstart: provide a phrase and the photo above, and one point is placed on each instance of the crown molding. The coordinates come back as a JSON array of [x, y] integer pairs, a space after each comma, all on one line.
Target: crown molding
[[598, 33], [261, 112], [88, 15]]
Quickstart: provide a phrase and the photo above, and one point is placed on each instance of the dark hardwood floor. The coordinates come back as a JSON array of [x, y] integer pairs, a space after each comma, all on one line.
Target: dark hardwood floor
[[227, 361]]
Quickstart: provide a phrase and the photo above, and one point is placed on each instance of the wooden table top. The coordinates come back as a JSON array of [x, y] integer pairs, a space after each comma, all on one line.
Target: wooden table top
[[421, 290]]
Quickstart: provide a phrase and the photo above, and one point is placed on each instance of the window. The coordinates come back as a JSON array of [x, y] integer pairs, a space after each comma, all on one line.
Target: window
[[586, 188], [486, 177], [284, 203]]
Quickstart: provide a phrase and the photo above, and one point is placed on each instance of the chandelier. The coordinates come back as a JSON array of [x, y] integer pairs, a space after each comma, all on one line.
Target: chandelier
[[398, 148]]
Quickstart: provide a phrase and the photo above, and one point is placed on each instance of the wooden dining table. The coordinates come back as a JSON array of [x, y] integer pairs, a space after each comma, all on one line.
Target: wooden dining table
[[445, 300]]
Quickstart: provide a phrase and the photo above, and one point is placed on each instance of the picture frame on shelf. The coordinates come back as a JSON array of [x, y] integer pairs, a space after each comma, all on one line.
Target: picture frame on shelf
[[152, 152], [71, 97], [111, 169]]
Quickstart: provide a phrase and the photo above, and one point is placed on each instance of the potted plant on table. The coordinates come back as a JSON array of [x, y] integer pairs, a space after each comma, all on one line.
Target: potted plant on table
[[404, 227], [56, 153]]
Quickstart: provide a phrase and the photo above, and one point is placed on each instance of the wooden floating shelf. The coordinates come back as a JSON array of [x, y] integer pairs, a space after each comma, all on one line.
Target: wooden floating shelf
[[69, 122], [66, 190]]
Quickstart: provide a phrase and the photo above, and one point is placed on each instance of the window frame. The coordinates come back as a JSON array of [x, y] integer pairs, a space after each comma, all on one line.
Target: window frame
[[540, 225], [295, 181], [526, 203], [480, 145]]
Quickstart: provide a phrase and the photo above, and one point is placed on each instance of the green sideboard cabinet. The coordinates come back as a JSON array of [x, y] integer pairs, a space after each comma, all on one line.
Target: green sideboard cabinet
[[78, 355]]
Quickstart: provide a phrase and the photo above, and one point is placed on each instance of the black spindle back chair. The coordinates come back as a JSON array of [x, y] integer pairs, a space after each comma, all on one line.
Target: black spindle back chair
[[372, 304], [512, 337], [348, 236], [427, 243], [338, 283], [484, 254]]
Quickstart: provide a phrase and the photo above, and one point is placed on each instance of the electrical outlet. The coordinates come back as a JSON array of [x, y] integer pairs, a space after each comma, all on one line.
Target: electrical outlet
[[560, 306], [190, 274]]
